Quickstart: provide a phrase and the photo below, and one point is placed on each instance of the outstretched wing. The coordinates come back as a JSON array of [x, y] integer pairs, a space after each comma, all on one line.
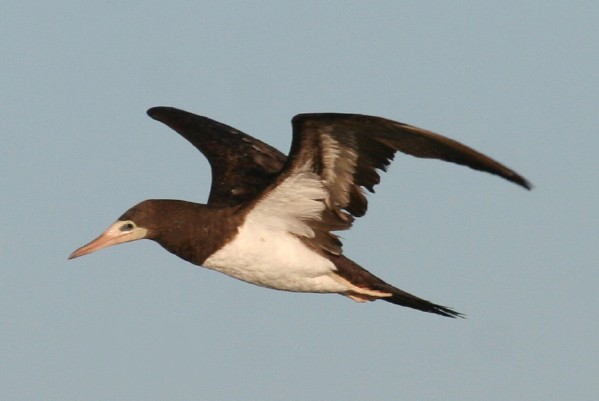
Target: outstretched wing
[[242, 166], [346, 150], [333, 157]]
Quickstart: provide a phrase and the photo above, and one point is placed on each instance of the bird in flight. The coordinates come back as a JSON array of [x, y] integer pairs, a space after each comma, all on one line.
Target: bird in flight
[[270, 218]]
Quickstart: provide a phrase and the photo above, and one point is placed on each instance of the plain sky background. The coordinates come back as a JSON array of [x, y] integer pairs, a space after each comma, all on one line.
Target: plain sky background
[[517, 80]]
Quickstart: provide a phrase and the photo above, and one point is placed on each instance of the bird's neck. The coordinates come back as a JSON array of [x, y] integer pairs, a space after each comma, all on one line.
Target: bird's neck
[[195, 231]]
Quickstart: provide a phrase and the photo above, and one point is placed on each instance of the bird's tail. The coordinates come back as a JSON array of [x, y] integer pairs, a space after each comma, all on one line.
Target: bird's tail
[[368, 287], [403, 298]]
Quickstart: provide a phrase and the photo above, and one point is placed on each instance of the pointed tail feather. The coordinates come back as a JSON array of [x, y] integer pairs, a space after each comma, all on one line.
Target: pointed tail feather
[[403, 298], [368, 287]]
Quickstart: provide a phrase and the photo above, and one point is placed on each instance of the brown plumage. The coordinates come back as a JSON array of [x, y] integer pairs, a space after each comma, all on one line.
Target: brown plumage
[[242, 166], [262, 203]]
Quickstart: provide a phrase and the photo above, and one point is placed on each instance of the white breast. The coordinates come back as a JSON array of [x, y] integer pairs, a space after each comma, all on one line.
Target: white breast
[[275, 260], [267, 250]]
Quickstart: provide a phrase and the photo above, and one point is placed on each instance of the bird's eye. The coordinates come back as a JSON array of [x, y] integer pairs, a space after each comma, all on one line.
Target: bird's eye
[[127, 227]]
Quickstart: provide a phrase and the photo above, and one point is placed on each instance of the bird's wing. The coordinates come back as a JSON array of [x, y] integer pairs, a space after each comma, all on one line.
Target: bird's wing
[[348, 149], [242, 166], [333, 157]]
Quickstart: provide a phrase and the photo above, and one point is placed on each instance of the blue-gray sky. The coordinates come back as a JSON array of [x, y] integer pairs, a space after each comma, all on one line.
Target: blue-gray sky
[[516, 80]]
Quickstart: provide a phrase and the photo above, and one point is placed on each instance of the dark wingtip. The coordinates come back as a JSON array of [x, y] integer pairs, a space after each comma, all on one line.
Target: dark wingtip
[[518, 179], [158, 113], [180, 120]]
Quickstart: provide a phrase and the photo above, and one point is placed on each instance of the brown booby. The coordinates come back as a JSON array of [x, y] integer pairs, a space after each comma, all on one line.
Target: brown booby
[[269, 218]]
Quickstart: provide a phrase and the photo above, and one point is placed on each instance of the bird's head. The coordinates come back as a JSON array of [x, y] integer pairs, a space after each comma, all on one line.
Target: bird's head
[[136, 223]]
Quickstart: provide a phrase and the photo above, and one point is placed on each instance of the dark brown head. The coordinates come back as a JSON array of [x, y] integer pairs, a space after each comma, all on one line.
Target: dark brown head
[[139, 222], [146, 220], [189, 230]]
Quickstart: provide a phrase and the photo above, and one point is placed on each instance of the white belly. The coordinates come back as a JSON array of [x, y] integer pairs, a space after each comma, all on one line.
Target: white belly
[[277, 260]]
